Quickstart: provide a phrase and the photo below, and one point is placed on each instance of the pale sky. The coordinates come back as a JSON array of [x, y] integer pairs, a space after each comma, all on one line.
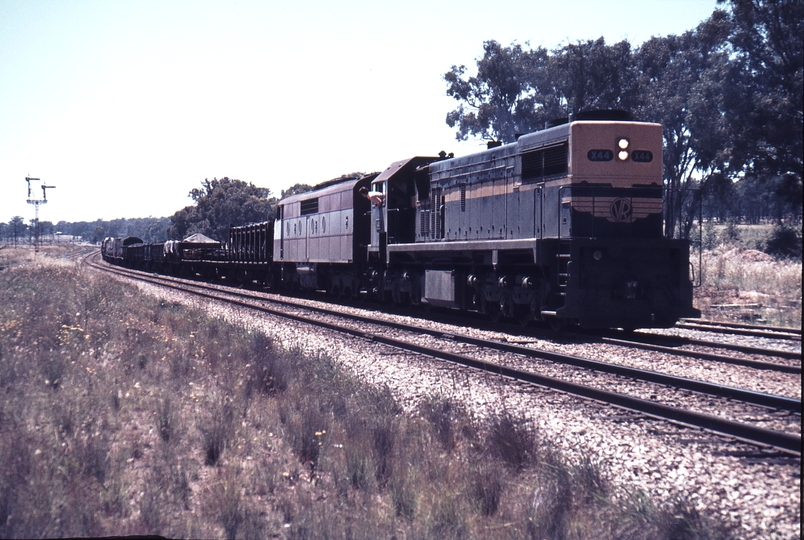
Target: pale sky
[[127, 105]]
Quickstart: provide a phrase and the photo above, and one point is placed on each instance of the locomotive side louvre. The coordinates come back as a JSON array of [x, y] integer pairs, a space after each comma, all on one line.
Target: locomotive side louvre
[[479, 185]]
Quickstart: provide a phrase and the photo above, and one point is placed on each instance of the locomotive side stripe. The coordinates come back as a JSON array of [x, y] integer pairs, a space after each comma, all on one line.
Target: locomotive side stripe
[[475, 192]]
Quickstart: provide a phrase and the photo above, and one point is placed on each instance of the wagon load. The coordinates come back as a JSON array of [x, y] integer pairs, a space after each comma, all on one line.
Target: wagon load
[[194, 247]]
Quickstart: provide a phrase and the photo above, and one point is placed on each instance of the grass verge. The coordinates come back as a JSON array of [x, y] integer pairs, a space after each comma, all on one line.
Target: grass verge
[[129, 415]]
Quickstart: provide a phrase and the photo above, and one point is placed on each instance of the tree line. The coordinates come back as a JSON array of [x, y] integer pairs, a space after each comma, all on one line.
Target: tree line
[[728, 93], [217, 205], [17, 232]]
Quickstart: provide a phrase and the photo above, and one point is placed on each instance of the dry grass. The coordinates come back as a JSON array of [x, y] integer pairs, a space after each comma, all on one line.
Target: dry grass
[[25, 254], [747, 285], [742, 282], [127, 415]]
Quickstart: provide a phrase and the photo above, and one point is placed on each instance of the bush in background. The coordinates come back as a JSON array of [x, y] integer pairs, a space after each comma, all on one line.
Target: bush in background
[[784, 242]]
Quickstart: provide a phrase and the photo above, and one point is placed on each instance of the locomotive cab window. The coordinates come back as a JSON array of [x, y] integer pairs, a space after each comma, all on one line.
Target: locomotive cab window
[[377, 194]]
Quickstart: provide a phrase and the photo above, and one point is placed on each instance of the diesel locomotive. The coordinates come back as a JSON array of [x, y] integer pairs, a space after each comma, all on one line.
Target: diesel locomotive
[[565, 225]]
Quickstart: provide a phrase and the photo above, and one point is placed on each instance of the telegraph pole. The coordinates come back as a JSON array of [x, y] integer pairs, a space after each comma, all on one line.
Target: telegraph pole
[[37, 203]]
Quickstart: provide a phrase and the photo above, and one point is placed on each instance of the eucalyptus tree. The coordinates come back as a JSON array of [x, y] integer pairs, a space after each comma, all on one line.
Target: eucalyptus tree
[[295, 189], [517, 90], [591, 75], [499, 101], [220, 204], [681, 87], [765, 104], [16, 229]]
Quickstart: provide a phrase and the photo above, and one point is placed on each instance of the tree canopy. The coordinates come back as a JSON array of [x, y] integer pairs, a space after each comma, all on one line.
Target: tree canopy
[[220, 204]]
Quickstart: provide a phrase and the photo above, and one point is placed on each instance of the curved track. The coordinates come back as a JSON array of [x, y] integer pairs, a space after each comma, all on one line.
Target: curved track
[[787, 442]]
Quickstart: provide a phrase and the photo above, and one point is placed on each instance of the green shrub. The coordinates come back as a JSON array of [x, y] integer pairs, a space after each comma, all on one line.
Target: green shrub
[[784, 242]]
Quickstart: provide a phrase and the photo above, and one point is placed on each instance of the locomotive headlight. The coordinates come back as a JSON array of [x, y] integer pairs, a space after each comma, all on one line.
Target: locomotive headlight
[[623, 145]]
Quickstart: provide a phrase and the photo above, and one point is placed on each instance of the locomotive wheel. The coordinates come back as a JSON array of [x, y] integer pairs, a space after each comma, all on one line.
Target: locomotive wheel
[[523, 316], [507, 306], [416, 294], [396, 295], [491, 309], [557, 325]]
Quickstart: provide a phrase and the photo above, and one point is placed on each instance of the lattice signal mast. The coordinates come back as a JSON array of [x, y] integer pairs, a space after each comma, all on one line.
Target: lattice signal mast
[[37, 203]]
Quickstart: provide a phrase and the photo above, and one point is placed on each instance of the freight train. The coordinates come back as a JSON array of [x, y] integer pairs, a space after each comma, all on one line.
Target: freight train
[[565, 226]]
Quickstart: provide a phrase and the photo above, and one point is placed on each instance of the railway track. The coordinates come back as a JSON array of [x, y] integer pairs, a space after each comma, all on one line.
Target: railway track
[[784, 361], [673, 347], [789, 443], [774, 332], [667, 344], [656, 338]]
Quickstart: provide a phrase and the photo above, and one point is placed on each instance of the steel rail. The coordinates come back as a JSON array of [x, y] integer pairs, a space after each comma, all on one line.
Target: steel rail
[[759, 327], [739, 331], [695, 385], [757, 364], [680, 340], [784, 441], [789, 443]]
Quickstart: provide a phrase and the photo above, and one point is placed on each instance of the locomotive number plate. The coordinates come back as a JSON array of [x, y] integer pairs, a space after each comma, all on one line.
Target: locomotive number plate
[[600, 155]]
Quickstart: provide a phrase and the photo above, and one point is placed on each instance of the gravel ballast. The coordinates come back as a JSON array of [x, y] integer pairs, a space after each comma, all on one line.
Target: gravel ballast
[[760, 495]]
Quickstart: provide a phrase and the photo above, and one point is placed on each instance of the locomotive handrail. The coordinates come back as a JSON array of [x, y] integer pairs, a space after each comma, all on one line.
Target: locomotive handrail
[[667, 194]]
